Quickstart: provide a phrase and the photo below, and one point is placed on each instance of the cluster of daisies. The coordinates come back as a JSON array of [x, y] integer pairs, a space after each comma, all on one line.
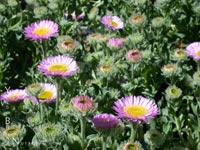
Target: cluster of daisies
[[134, 108]]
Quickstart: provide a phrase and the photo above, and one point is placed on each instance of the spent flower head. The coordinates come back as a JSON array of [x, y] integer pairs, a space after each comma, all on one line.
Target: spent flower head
[[48, 132], [137, 20], [33, 89], [132, 146], [158, 22], [107, 67], [173, 92], [154, 138], [179, 54], [136, 108], [12, 134], [170, 70], [136, 38], [34, 119], [66, 44]]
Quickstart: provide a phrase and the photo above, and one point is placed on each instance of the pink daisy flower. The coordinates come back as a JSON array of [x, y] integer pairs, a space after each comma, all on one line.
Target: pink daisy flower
[[58, 66], [14, 95], [116, 42], [193, 50], [136, 109], [105, 121], [41, 30], [134, 55], [46, 95], [82, 103], [112, 22]]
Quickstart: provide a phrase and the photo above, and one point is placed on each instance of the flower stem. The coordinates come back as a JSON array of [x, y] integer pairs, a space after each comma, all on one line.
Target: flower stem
[[58, 94], [104, 139], [83, 125], [134, 128]]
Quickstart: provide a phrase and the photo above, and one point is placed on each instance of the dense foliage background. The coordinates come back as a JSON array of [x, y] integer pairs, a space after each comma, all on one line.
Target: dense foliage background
[[158, 39]]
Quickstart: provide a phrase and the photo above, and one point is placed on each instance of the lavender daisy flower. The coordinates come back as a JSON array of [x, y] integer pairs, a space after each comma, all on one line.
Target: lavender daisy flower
[[105, 121], [14, 95], [193, 50], [116, 42], [82, 103], [136, 109], [112, 22], [134, 55], [47, 93], [41, 30], [58, 66]]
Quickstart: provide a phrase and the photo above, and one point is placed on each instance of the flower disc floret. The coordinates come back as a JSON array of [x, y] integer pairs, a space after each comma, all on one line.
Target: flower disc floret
[[58, 66], [136, 108], [41, 30], [112, 22], [105, 121]]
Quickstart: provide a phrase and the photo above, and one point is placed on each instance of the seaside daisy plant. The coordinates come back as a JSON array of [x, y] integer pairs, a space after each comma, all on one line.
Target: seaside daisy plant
[[41, 30], [112, 22], [136, 109]]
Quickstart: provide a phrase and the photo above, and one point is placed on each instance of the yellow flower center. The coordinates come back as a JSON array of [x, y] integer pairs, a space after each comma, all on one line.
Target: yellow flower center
[[13, 96], [132, 147], [11, 132], [174, 91], [83, 101], [136, 18], [106, 68], [46, 94], [113, 23], [68, 44], [169, 67], [198, 52], [135, 110], [59, 67], [41, 31], [180, 53]]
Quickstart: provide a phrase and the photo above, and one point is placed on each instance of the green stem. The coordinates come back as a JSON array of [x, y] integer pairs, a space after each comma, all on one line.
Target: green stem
[[178, 127], [134, 128], [83, 125], [41, 110], [58, 93], [104, 141], [43, 45]]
